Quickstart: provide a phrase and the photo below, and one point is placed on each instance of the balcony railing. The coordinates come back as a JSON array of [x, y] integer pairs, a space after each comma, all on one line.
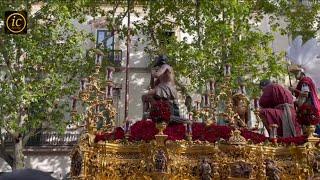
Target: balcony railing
[[49, 139]]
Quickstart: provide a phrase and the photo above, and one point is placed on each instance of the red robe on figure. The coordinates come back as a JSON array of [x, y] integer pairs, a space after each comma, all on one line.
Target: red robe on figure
[[277, 107], [313, 92]]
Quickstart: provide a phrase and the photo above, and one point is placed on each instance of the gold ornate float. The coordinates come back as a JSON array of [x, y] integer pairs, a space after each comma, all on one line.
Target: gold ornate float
[[234, 158], [160, 159]]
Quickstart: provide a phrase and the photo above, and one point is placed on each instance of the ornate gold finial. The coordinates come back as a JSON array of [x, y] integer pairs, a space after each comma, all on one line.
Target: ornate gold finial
[[236, 138]]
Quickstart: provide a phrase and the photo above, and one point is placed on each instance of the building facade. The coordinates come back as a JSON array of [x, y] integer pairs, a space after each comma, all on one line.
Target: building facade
[[49, 152]]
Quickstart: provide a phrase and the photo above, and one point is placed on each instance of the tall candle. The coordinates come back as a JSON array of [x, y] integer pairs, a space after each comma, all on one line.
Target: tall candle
[[82, 84], [273, 130], [211, 85], [189, 128], [197, 103], [227, 70], [190, 116], [109, 92], [243, 89], [206, 100], [97, 108], [98, 60], [255, 102], [127, 126], [109, 73], [74, 103]]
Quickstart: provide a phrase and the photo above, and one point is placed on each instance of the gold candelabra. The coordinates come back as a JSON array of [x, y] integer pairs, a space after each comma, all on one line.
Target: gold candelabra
[[256, 112], [211, 100], [99, 113]]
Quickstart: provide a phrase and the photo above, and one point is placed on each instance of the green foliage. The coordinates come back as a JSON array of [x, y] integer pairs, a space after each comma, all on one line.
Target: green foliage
[[41, 70], [223, 32], [301, 19]]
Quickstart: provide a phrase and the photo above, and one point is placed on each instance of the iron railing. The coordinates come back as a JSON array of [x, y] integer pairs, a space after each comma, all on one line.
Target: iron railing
[[49, 139]]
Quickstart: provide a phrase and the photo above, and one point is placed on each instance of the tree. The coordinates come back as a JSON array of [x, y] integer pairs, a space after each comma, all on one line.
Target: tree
[[40, 70], [222, 32], [302, 18]]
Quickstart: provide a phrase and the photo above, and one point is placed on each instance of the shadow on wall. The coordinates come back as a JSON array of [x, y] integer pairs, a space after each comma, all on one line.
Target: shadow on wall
[[57, 165], [4, 166]]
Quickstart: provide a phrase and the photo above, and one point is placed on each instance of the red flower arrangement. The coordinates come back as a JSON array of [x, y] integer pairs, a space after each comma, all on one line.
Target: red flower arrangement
[[160, 111], [213, 133], [254, 137], [198, 130], [308, 115], [118, 133], [143, 130], [293, 140], [100, 136], [175, 132], [146, 130]]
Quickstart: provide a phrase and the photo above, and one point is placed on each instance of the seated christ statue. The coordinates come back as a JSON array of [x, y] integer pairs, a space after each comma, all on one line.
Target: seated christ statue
[[163, 87]]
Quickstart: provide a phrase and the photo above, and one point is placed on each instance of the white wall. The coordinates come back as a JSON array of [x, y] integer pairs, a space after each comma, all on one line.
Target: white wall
[[58, 165]]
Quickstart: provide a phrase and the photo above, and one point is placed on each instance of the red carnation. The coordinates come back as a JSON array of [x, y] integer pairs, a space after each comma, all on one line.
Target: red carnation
[[100, 136], [175, 131], [160, 111], [198, 131], [293, 140], [118, 133], [308, 115], [143, 130]]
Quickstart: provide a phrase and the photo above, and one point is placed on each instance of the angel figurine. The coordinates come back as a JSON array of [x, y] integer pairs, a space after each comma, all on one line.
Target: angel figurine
[[305, 65]]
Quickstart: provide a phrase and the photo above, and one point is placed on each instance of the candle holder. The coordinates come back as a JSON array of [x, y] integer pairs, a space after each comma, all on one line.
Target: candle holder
[[256, 112], [225, 95], [98, 102], [189, 131], [273, 133]]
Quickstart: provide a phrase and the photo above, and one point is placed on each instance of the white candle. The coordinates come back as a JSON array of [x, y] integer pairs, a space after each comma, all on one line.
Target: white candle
[[74, 103], [109, 73], [227, 70], [211, 85], [106, 91], [98, 60], [97, 108], [197, 105], [83, 84], [243, 89], [256, 103], [109, 89], [206, 100]]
